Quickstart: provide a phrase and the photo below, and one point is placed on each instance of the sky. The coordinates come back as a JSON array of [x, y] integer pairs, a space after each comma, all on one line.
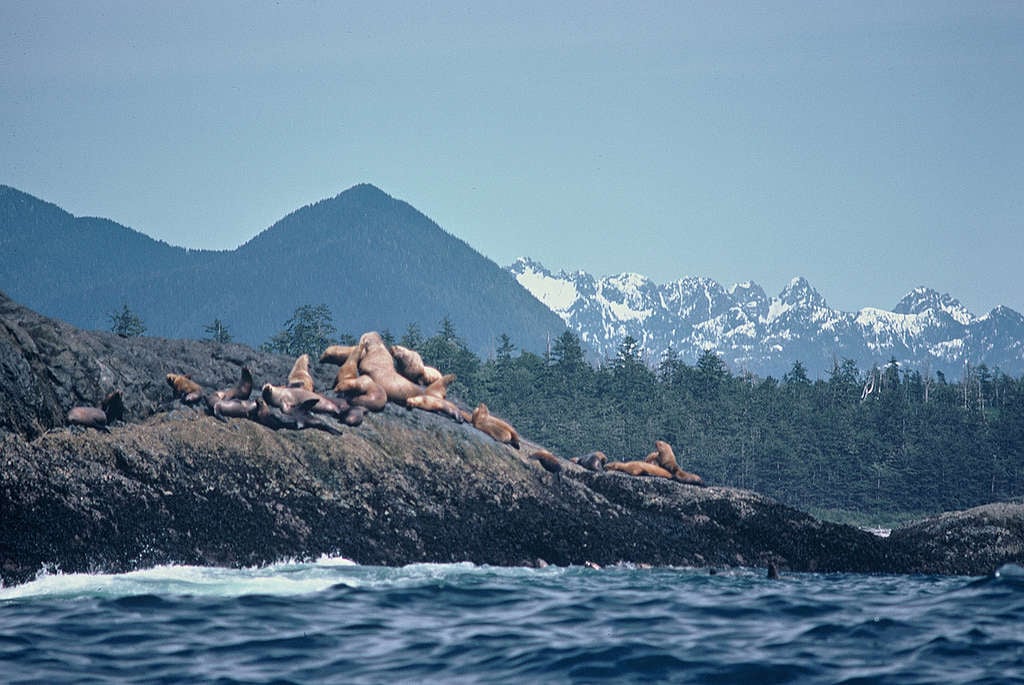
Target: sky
[[870, 147]]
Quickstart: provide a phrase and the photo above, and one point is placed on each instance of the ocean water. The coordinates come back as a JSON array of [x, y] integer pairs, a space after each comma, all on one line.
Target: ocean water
[[336, 622]]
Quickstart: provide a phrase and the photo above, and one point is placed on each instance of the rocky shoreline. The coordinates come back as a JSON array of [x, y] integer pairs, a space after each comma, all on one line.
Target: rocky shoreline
[[172, 485]]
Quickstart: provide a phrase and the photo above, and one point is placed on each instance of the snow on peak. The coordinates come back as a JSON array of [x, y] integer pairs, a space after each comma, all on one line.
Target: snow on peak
[[558, 293], [921, 299], [800, 293]]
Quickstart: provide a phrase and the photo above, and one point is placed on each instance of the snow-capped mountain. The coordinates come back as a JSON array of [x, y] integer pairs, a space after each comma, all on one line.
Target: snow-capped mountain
[[926, 331]]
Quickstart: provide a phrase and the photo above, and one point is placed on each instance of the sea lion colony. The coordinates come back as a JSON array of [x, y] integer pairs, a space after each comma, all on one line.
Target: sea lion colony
[[369, 376]]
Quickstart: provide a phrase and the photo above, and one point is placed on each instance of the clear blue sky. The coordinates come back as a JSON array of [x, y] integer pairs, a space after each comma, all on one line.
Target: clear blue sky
[[870, 147]]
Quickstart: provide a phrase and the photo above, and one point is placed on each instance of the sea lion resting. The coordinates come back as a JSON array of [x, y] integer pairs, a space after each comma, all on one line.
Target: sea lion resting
[[376, 361], [496, 428], [299, 376], [638, 468], [666, 459], [241, 391], [288, 398], [593, 461], [185, 389], [410, 364], [435, 404], [296, 417], [337, 354], [111, 409], [234, 408], [549, 462], [362, 391]]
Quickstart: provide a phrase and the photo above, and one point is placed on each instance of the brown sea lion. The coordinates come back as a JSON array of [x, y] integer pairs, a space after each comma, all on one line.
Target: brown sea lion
[[439, 388], [666, 459], [549, 462], [299, 376], [496, 428], [376, 362], [354, 416], [593, 461], [185, 389], [287, 398], [234, 408], [349, 369], [111, 409], [637, 468], [90, 417], [410, 364], [434, 404], [337, 354], [113, 406], [296, 418], [362, 391], [241, 391]]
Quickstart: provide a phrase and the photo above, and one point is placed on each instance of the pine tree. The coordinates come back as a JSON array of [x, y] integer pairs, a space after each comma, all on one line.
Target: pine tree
[[126, 323], [308, 331], [217, 332]]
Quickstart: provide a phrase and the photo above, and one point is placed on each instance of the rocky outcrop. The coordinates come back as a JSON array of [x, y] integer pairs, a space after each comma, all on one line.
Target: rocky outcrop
[[172, 484]]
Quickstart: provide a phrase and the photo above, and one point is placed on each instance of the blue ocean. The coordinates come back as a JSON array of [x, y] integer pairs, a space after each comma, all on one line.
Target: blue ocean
[[336, 622]]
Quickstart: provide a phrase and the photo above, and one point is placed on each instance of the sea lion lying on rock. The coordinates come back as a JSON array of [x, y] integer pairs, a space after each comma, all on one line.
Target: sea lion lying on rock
[[666, 459], [496, 428], [638, 468], [362, 391], [288, 398], [337, 354], [435, 404], [111, 409], [241, 391], [234, 408], [376, 361], [410, 364], [296, 417], [549, 462], [185, 389], [594, 461]]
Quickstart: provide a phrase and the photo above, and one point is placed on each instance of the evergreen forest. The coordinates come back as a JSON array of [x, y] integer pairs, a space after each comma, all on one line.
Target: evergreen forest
[[869, 446]]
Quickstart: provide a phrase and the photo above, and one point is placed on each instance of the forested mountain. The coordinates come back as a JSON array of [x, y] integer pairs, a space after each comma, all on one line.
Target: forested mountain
[[765, 335], [376, 262]]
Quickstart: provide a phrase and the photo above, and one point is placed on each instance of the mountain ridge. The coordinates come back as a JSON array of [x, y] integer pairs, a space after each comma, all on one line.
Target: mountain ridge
[[377, 262], [926, 330]]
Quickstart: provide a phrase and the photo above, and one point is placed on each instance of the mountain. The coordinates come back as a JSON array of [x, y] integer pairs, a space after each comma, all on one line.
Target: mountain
[[926, 330], [376, 262]]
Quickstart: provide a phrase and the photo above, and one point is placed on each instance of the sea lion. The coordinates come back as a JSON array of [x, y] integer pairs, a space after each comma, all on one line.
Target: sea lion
[[185, 389], [376, 362], [234, 408], [666, 459], [297, 417], [593, 461], [362, 391], [241, 391], [90, 417], [113, 406], [410, 364], [549, 462], [287, 398], [638, 468], [439, 388], [354, 416], [348, 370], [434, 404], [496, 428], [111, 409], [337, 354], [299, 376]]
